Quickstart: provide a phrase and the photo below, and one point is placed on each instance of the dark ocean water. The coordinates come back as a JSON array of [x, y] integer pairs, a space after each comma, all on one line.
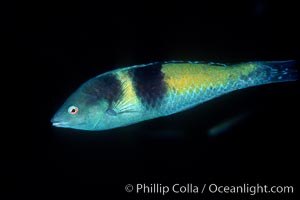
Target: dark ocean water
[[63, 45]]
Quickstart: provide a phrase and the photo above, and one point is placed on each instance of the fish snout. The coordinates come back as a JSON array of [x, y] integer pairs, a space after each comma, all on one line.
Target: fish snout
[[57, 122]]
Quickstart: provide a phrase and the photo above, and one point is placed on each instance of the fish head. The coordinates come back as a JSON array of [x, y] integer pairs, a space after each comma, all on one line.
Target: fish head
[[82, 110], [101, 103]]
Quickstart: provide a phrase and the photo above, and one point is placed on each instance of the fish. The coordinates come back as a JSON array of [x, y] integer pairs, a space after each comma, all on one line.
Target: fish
[[130, 95]]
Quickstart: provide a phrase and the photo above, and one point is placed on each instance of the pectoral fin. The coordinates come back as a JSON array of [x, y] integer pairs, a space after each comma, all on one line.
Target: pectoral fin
[[121, 107]]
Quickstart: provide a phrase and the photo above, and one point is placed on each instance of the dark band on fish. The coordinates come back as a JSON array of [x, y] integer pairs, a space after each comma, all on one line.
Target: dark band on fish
[[106, 87], [149, 84]]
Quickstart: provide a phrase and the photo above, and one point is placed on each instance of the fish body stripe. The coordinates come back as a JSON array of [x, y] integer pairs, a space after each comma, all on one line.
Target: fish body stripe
[[191, 84], [127, 87], [149, 84], [184, 77]]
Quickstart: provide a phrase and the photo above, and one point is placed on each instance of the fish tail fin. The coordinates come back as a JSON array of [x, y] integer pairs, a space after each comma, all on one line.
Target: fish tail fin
[[281, 71]]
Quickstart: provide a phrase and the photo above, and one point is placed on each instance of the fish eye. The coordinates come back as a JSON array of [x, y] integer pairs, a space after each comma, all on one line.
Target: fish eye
[[73, 110]]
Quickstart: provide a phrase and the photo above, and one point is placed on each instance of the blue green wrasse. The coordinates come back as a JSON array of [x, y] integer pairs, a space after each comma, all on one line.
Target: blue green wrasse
[[133, 94]]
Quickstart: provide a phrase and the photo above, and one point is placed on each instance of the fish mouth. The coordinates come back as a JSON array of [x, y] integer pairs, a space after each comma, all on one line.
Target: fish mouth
[[64, 124], [57, 123]]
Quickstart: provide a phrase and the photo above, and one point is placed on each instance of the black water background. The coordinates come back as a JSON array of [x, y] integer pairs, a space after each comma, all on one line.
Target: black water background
[[64, 44]]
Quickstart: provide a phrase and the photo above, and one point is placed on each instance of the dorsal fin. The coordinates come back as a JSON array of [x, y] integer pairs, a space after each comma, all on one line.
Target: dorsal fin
[[194, 62]]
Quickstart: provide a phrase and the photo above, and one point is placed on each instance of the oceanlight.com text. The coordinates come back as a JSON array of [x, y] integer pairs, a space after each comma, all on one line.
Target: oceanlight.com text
[[212, 188]]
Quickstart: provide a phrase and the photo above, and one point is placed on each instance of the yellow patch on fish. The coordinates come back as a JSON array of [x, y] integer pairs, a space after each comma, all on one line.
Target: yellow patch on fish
[[127, 85], [182, 77]]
